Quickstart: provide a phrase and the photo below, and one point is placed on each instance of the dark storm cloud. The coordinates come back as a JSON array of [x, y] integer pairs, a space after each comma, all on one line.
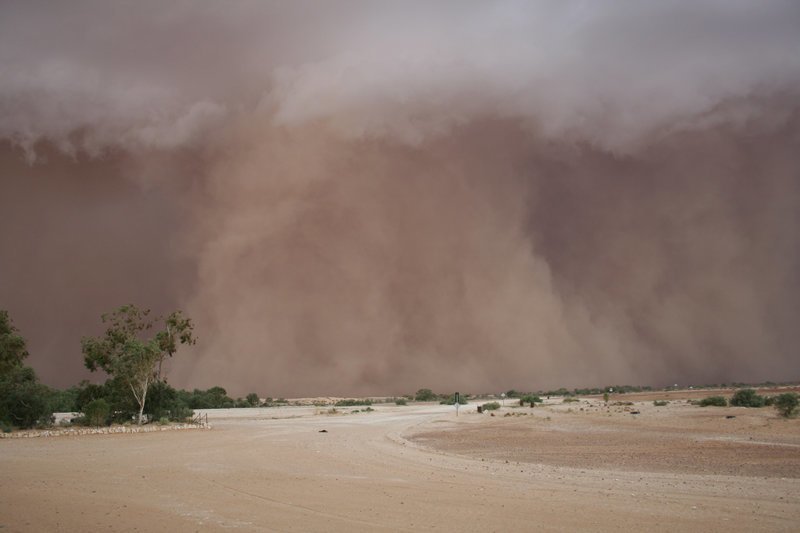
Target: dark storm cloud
[[384, 196]]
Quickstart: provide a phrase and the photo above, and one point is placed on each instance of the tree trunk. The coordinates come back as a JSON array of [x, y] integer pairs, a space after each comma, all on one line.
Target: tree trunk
[[141, 404]]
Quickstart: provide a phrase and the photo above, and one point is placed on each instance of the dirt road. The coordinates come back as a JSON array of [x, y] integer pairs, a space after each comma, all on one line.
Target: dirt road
[[403, 469]]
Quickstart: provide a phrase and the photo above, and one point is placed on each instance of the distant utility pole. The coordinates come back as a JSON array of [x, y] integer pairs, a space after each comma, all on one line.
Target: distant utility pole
[[457, 398]]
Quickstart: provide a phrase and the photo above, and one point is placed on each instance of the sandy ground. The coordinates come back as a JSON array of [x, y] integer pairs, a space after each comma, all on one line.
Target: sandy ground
[[553, 468]]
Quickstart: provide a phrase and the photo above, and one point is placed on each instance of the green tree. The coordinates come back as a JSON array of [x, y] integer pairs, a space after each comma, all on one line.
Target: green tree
[[24, 401], [219, 398], [88, 392], [178, 329], [63, 400], [124, 353], [213, 398], [530, 399], [787, 403], [161, 400], [12, 345], [252, 399]]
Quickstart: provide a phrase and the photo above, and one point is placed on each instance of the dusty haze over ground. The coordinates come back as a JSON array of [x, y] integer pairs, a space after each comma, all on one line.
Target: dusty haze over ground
[[378, 198]]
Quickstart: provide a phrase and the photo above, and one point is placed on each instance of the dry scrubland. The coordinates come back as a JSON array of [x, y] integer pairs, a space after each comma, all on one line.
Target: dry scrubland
[[557, 467]]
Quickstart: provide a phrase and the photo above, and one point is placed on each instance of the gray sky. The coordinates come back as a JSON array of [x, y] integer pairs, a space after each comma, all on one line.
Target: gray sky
[[369, 198]]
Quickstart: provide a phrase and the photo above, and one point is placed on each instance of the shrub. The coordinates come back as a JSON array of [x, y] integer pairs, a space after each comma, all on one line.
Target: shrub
[[490, 406], [46, 421], [96, 412], [165, 402], [715, 401], [351, 402], [787, 403], [586, 392], [180, 412], [660, 403], [570, 399], [559, 392], [88, 392], [424, 395], [160, 397], [400, 401], [451, 400], [747, 398], [118, 395], [63, 401], [23, 400]]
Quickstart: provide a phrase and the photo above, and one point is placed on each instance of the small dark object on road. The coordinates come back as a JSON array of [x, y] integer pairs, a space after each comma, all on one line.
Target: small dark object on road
[[635, 412], [323, 430], [730, 416]]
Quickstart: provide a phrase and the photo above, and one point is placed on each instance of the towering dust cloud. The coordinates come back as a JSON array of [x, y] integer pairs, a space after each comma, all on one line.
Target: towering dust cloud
[[384, 197]]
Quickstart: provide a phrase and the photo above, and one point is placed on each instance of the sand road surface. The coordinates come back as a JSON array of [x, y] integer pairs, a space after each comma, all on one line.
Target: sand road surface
[[553, 468]]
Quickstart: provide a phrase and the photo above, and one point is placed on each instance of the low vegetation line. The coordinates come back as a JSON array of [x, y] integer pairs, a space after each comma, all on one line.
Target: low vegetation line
[[106, 430]]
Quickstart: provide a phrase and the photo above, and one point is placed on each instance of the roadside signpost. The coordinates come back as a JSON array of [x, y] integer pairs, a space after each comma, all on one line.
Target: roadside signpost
[[457, 398]]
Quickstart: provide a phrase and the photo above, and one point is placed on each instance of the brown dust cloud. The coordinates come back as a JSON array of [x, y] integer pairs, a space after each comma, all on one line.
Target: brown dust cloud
[[354, 198]]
